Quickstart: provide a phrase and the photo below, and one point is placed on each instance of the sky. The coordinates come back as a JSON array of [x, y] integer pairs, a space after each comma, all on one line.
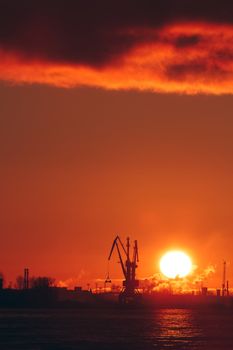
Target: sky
[[115, 119]]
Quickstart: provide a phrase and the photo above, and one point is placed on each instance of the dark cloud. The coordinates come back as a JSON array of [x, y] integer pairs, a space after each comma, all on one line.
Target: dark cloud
[[196, 70], [164, 45], [94, 32], [187, 40], [181, 71], [224, 55]]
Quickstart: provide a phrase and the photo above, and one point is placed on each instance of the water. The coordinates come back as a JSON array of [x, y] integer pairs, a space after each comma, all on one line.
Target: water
[[116, 329]]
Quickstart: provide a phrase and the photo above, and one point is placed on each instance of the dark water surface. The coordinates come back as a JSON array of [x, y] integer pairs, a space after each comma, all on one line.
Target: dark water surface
[[116, 329]]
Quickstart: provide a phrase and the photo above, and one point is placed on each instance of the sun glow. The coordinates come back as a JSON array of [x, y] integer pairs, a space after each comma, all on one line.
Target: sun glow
[[175, 264]]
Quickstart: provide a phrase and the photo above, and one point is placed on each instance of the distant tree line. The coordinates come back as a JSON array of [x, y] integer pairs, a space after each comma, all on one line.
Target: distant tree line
[[40, 282]]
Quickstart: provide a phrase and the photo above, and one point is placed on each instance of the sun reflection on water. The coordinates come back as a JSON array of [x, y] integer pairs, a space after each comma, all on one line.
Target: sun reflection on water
[[176, 329]]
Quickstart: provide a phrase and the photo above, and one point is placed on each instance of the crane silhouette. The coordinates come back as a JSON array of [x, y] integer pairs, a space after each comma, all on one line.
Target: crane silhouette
[[130, 284]]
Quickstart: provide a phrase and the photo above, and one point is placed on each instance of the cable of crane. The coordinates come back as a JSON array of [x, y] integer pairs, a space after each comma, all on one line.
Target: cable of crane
[[108, 280]]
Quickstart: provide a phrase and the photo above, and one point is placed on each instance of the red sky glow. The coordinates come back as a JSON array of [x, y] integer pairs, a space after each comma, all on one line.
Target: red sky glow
[[182, 58]]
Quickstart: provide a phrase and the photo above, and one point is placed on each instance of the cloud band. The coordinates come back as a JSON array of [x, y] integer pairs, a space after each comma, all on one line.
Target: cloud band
[[167, 47]]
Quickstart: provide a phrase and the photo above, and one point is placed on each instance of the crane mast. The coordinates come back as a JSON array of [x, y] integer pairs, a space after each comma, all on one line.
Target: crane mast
[[129, 266]]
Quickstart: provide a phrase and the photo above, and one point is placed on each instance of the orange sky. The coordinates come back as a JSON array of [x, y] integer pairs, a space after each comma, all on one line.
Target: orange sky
[[115, 119], [80, 165]]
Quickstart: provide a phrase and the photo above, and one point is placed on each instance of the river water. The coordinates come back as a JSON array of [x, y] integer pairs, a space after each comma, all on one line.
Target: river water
[[110, 329]]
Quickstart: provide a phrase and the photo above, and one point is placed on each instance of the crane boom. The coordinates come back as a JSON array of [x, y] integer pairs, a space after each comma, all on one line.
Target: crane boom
[[122, 245], [113, 245], [121, 261]]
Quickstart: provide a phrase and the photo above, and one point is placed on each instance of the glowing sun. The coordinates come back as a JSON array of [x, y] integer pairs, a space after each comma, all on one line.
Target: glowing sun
[[175, 264]]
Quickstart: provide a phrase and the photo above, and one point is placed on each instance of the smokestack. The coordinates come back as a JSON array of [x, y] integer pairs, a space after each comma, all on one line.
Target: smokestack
[[224, 279], [26, 279], [1, 283]]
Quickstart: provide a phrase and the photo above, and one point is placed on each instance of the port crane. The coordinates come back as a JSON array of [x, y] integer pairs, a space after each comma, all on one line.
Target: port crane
[[130, 284]]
